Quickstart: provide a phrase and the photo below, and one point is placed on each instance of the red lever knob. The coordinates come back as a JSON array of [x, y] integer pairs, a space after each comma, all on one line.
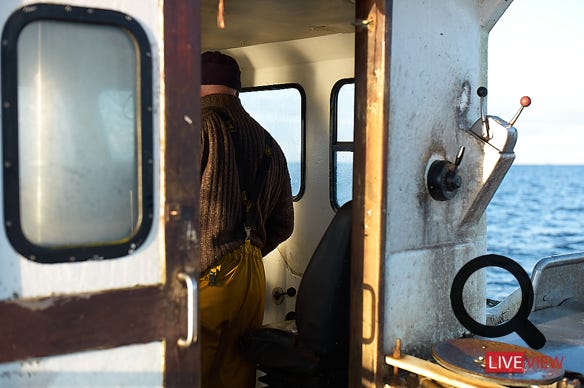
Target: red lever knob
[[525, 102]]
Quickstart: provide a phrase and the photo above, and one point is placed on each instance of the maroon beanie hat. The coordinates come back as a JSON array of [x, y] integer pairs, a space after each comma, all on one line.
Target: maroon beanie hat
[[220, 69]]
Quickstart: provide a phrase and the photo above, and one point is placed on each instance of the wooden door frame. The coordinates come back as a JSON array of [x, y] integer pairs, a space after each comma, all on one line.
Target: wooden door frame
[[182, 76], [372, 53], [40, 327]]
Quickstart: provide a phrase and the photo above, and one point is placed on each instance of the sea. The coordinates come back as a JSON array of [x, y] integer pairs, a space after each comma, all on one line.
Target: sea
[[537, 212]]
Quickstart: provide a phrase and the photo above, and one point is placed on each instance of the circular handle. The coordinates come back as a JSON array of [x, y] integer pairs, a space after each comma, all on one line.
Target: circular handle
[[443, 180]]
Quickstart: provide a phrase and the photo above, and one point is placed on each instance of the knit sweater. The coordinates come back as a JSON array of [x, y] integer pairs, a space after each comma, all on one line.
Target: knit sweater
[[221, 204]]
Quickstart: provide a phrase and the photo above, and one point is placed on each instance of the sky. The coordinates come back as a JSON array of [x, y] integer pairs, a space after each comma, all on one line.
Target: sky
[[536, 49]]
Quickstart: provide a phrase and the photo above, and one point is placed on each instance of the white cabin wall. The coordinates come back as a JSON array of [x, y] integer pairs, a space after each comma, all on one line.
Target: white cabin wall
[[24, 278], [128, 366], [316, 64], [438, 60], [21, 278]]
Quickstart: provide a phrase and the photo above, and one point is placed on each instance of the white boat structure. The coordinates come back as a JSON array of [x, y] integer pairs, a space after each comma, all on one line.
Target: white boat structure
[[100, 150]]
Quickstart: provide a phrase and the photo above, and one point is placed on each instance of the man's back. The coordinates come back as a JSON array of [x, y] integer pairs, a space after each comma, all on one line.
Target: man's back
[[222, 211]]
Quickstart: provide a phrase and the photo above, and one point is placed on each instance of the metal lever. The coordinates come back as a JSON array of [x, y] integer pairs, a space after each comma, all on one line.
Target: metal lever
[[459, 156], [482, 93], [494, 130], [525, 102], [191, 311]]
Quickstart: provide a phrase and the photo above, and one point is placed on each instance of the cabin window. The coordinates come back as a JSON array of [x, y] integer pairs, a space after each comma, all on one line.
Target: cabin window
[[280, 110], [77, 133], [342, 130]]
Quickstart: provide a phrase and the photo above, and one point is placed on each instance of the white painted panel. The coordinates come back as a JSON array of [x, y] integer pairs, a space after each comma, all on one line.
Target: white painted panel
[[22, 278], [130, 366]]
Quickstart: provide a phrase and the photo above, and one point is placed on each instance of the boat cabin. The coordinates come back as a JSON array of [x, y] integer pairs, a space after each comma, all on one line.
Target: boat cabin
[[380, 109]]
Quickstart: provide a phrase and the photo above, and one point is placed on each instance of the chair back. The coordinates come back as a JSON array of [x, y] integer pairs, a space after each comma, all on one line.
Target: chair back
[[322, 304]]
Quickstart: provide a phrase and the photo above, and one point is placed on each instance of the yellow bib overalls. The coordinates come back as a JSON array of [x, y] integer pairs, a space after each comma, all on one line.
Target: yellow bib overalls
[[230, 305]]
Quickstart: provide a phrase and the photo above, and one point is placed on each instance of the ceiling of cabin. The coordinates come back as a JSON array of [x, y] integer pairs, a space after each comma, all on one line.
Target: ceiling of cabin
[[251, 22]]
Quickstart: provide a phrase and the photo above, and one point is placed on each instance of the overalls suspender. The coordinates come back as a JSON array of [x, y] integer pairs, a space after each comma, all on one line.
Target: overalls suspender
[[249, 195]]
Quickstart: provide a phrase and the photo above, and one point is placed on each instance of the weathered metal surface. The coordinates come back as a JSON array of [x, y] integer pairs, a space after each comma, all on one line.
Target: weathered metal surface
[[435, 72], [556, 279]]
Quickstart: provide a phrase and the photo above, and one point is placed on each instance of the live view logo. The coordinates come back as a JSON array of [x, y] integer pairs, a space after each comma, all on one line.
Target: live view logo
[[516, 362]]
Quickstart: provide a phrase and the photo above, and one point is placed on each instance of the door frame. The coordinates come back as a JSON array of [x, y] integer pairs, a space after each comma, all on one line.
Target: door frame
[[373, 22]]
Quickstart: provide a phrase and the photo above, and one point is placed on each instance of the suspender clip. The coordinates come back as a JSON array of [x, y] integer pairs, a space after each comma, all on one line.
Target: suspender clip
[[213, 277]]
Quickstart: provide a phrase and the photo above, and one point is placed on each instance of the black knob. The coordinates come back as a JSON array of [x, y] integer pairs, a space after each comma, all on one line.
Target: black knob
[[278, 294], [443, 179]]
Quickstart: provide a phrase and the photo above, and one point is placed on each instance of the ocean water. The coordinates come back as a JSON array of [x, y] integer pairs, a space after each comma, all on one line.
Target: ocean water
[[538, 211]]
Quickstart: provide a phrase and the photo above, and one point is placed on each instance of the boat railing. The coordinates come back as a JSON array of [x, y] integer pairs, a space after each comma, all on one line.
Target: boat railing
[[504, 310], [556, 279]]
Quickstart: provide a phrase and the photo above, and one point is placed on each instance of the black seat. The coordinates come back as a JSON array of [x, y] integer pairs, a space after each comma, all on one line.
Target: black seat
[[312, 349]]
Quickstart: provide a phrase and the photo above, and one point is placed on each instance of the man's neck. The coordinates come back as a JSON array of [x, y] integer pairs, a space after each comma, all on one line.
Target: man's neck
[[217, 89]]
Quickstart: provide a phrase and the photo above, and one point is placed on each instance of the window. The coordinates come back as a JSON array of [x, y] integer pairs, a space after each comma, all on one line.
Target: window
[[77, 133], [280, 110], [342, 129]]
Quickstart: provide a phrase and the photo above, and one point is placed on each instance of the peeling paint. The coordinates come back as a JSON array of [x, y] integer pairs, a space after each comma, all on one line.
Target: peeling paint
[[36, 305], [191, 233], [462, 105]]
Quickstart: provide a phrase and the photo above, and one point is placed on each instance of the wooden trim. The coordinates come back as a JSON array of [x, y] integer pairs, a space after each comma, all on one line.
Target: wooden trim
[[373, 36], [68, 324], [182, 135], [182, 172]]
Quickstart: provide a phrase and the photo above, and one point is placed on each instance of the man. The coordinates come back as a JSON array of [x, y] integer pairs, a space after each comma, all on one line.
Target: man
[[246, 211]]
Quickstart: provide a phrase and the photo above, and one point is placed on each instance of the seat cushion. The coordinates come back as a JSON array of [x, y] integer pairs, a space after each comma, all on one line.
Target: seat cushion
[[271, 349]]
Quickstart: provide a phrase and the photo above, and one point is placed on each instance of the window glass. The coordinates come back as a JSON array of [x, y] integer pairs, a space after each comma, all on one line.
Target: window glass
[[280, 110], [344, 173], [342, 130], [345, 112], [77, 135]]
